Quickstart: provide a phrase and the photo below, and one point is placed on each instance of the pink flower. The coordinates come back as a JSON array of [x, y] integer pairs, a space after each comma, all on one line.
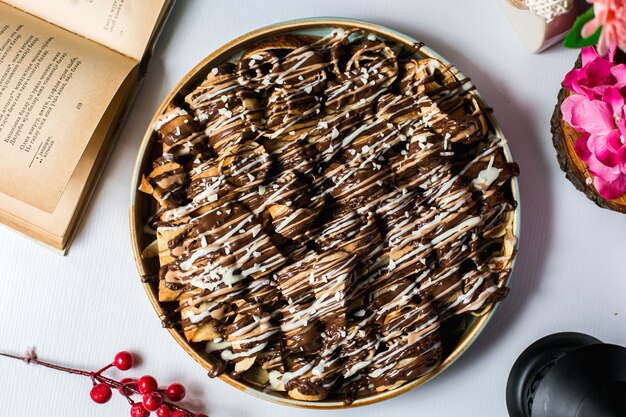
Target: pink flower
[[597, 109], [602, 145], [619, 73], [596, 74], [611, 15], [610, 182]]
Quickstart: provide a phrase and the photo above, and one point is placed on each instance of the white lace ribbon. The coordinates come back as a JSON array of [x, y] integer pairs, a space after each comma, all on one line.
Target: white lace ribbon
[[548, 9]]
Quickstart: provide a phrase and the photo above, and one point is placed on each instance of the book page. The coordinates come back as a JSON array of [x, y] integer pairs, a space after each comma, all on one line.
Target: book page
[[57, 228], [54, 89], [125, 26]]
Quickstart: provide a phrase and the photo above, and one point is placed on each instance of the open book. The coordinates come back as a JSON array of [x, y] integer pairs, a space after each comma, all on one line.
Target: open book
[[68, 69]]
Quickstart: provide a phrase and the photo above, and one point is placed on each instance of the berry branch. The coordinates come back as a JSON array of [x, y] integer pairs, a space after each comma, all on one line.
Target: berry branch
[[153, 398]]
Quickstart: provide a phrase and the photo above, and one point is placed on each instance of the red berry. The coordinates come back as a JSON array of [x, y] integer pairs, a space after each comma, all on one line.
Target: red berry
[[100, 393], [164, 411], [147, 384], [137, 410], [152, 401], [200, 415], [180, 414], [175, 392], [123, 361], [126, 382]]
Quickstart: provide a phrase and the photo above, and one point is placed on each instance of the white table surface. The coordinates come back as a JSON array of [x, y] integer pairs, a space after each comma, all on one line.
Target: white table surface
[[82, 308]]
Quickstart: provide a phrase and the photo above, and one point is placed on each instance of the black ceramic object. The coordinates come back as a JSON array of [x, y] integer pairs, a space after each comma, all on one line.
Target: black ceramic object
[[568, 375]]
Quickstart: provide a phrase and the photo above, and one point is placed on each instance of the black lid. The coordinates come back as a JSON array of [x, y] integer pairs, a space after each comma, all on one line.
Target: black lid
[[589, 381], [609, 400], [534, 363]]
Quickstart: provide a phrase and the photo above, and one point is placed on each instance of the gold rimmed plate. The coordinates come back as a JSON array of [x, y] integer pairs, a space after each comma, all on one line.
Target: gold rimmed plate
[[460, 333]]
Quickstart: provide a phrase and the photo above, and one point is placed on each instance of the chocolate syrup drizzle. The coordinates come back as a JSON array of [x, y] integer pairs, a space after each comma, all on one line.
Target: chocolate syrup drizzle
[[323, 206]]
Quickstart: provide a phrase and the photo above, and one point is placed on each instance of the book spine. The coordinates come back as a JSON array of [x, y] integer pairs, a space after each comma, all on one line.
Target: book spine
[[147, 56]]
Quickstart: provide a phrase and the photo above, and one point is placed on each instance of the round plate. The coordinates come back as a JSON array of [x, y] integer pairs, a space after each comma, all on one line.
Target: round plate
[[141, 204]]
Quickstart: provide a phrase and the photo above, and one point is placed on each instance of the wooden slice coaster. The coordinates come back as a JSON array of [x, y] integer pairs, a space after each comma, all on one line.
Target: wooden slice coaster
[[563, 138]]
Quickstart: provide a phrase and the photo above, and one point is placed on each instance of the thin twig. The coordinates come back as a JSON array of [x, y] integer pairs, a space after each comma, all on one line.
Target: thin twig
[[94, 376]]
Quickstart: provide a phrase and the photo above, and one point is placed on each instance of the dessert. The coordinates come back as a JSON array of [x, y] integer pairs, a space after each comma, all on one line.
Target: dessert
[[323, 206]]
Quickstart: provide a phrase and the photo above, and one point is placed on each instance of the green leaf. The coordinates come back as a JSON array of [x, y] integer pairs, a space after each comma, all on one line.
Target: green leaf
[[574, 39]]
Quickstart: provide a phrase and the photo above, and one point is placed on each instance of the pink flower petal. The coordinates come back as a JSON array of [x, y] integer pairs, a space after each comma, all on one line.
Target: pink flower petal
[[593, 78], [599, 147], [606, 41], [567, 109], [610, 189], [599, 169], [581, 148], [581, 87], [603, 44], [577, 81], [589, 28], [588, 54], [621, 154], [614, 142], [573, 77], [592, 116], [613, 97], [599, 72], [619, 73], [621, 125], [612, 51]]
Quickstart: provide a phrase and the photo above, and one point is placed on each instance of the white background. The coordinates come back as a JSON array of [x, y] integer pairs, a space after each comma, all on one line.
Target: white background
[[82, 308]]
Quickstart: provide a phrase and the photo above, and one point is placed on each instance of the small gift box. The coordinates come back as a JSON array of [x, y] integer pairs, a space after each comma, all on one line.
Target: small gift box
[[540, 23]]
